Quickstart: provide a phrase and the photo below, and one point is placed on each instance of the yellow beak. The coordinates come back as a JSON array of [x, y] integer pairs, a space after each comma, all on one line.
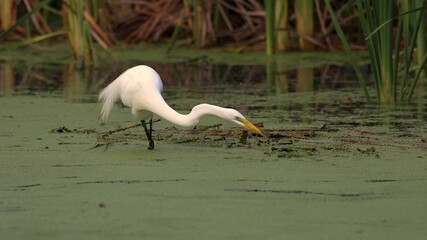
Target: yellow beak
[[251, 127]]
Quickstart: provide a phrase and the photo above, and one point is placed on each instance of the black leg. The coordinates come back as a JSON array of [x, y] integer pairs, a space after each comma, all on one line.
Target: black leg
[[151, 143], [149, 133]]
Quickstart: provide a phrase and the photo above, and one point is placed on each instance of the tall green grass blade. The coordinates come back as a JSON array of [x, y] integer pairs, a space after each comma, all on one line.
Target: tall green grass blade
[[396, 56], [404, 6], [349, 52]]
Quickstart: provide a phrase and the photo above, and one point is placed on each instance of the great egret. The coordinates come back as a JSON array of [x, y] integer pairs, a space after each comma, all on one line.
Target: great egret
[[140, 88]]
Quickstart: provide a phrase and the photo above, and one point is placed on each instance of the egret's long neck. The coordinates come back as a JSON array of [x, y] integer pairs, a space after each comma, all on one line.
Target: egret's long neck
[[163, 110]]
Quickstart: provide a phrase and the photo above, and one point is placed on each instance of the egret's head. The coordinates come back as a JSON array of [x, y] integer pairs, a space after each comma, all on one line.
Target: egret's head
[[229, 114], [240, 120]]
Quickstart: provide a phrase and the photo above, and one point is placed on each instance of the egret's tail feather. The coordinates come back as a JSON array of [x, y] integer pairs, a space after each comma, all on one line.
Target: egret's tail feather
[[108, 97]]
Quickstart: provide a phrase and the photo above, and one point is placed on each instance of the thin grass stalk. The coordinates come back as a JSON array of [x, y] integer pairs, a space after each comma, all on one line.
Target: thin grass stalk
[[304, 11], [269, 26], [404, 6], [196, 23], [348, 51], [176, 31]]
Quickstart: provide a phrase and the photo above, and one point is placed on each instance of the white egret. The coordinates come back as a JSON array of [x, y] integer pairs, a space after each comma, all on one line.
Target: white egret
[[140, 88]]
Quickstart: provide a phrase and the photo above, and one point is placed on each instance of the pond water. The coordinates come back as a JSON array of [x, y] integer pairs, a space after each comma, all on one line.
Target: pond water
[[332, 168]]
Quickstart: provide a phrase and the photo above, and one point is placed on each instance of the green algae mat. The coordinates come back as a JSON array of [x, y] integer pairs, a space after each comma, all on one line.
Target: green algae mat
[[333, 168]]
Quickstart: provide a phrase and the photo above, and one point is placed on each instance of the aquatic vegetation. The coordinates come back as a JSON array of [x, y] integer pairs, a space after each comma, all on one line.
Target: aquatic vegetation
[[394, 70]]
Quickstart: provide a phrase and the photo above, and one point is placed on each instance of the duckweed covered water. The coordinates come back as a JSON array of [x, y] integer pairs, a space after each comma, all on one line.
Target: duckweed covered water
[[334, 169]]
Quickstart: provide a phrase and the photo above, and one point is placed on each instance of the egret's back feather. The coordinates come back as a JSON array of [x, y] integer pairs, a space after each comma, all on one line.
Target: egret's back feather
[[108, 97]]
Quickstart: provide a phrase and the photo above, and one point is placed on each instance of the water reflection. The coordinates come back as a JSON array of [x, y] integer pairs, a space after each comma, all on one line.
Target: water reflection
[[261, 90], [7, 79], [269, 79]]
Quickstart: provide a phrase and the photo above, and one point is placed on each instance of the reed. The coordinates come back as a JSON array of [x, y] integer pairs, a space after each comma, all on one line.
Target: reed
[[7, 11], [390, 47], [376, 21], [380, 46], [282, 24], [78, 31], [270, 27], [304, 12]]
